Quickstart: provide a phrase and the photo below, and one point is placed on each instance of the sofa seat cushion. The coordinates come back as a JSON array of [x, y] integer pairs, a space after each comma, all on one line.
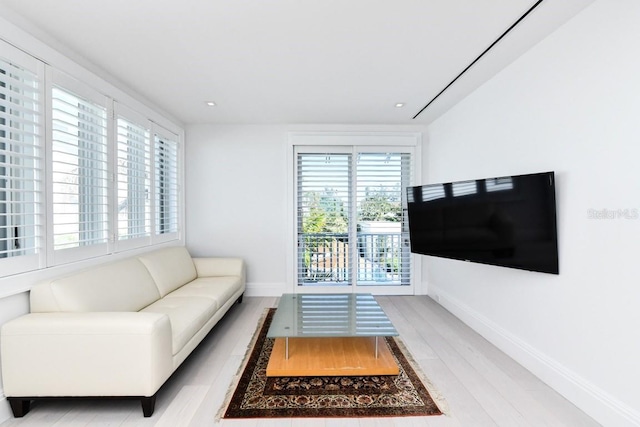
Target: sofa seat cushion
[[219, 289], [187, 316]]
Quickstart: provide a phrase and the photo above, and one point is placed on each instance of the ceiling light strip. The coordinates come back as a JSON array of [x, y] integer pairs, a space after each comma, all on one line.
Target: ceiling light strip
[[480, 56]]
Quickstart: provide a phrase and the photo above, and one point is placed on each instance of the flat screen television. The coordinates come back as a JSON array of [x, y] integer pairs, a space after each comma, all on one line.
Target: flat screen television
[[508, 221]]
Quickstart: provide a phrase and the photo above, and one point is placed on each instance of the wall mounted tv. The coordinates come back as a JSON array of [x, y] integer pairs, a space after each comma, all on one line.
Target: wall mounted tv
[[508, 221]]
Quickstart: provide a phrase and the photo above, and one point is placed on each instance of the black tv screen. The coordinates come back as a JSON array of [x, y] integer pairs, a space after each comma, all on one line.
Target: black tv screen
[[507, 221]]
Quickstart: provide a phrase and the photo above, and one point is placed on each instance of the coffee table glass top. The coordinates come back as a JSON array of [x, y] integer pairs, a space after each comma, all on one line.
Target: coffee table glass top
[[329, 315]]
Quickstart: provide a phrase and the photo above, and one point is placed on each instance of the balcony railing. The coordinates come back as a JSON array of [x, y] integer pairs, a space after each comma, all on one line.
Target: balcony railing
[[326, 258]]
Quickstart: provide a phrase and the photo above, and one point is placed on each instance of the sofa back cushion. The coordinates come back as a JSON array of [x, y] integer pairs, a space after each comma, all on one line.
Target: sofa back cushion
[[120, 286], [170, 268]]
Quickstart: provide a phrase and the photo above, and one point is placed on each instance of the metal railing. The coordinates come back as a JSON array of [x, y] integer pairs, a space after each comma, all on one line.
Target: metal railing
[[327, 258]]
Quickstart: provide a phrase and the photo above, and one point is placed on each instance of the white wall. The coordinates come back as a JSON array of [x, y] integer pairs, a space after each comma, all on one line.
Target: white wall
[[236, 199], [236, 195], [572, 105]]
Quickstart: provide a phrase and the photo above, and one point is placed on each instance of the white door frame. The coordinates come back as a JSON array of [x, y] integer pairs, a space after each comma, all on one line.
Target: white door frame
[[389, 140]]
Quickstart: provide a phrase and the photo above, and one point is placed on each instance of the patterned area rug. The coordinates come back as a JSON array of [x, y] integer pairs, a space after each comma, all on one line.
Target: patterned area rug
[[257, 396]]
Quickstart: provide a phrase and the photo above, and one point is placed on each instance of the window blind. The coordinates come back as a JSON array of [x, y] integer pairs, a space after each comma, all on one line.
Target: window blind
[[133, 180], [79, 171], [324, 200], [20, 161], [381, 181], [87, 186], [166, 185]]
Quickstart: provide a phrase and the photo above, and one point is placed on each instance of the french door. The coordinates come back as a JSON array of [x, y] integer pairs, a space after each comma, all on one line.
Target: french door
[[351, 223]]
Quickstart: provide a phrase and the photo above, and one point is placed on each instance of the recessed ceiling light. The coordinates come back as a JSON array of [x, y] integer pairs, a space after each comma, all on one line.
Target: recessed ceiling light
[[399, 104], [211, 103]]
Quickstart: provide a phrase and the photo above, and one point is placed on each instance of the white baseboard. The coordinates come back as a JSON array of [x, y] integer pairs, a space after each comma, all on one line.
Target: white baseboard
[[265, 289], [594, 401]]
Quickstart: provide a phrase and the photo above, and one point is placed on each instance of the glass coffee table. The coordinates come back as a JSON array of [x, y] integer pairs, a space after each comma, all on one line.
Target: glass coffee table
[[330, 335]]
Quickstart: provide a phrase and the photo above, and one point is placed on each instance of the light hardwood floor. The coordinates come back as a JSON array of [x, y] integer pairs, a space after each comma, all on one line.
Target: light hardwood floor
[[481, 385]]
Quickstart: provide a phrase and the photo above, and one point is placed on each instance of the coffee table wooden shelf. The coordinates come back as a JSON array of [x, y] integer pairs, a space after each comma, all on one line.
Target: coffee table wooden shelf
[[330, 335]]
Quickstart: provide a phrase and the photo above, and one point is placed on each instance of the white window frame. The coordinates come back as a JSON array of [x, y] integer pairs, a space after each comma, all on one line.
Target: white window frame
[[67, 83], [23, 263], [132, 116], [404, 238], [159, 133], [363, 142], [18, 273]]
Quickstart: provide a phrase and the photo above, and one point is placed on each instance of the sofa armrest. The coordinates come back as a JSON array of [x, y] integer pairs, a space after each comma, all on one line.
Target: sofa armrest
[[86, 354], [215, 266]]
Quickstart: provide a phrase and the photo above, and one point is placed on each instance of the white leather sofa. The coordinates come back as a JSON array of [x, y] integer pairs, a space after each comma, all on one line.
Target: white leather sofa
[[116, 330]]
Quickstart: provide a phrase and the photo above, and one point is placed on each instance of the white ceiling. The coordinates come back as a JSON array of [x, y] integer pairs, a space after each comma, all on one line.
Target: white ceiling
[[292, 61]]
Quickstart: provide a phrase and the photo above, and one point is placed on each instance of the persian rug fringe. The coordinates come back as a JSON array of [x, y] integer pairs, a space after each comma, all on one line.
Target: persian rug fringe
[[435, 394], [243, 365]]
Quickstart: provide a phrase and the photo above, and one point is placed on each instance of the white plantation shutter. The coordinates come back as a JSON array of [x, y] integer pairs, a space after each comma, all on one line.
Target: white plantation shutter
[[79, 171], [133, 182], [352, 216], [81, 175], [324, 200], [167, 200], [384, 255], [21, 159]]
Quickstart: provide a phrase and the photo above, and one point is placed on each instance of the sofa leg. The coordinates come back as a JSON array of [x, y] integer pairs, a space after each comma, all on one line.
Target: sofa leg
[[19, 406], [239, 300], [148, 405]]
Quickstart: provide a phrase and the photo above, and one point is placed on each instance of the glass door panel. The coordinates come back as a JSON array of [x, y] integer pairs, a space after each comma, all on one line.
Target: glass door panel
[[382, 233], [324, 198], [351, 219]]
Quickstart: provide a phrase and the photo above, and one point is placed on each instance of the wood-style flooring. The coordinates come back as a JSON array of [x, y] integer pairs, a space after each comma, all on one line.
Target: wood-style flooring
[[481, 385]]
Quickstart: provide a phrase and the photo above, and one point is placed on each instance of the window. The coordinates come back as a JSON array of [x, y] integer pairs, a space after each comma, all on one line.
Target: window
[[20, 166], [79, 171], [81, 175], [381, 181], [351, 217], [133, 182], [166, 185], [324, 199]]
